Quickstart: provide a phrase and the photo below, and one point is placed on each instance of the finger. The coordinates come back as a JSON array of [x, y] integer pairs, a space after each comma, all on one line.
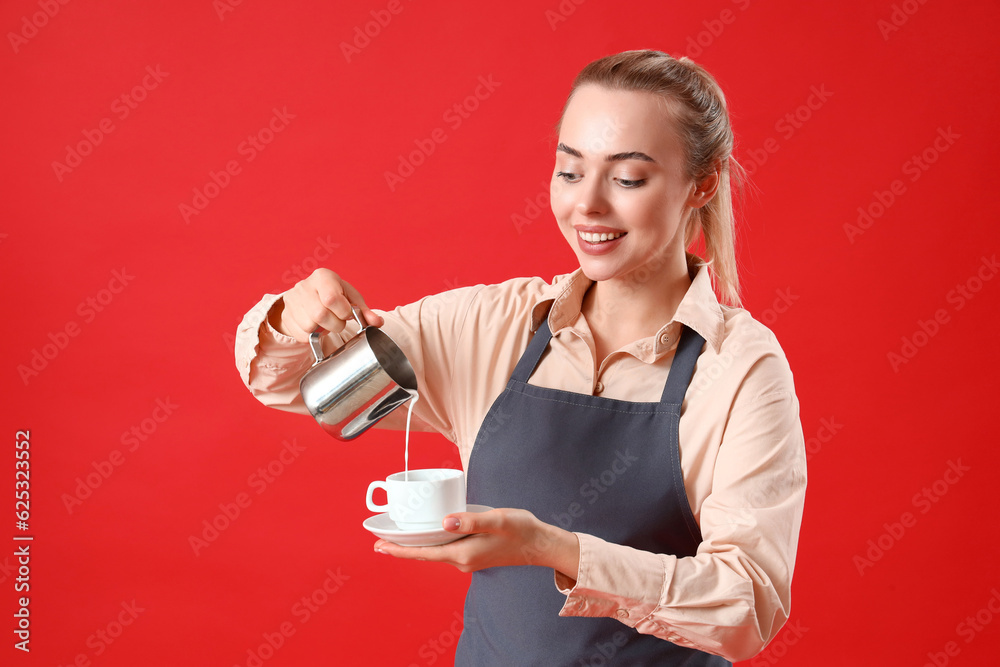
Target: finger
[[331, 308], [292, 327], [411, 553], [299, 326], [386, 547], [304, 312], [353, 295], [321, 302], [355, 298], [467, 523]]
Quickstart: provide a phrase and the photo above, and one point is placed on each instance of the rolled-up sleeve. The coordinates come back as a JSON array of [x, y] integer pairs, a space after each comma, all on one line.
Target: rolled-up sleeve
[[271, 364], [733, 596]]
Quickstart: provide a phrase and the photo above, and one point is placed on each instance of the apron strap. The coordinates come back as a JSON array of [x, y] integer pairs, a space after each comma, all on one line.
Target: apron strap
[[682, 367], [533, 354]]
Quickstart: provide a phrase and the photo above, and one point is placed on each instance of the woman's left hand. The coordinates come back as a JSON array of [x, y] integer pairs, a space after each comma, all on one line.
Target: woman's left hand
[[495, 538]]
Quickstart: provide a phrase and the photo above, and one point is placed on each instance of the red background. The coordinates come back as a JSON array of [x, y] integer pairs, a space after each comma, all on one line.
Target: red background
[[839, 303]]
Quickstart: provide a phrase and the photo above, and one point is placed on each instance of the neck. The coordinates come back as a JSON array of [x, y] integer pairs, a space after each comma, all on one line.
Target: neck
[[636, 305]]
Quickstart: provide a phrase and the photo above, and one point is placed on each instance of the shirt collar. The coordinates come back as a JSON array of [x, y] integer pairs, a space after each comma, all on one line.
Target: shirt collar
[[699, 309]]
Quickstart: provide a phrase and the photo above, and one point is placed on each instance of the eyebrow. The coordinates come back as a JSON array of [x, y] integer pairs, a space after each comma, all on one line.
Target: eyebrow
[[615, 157]]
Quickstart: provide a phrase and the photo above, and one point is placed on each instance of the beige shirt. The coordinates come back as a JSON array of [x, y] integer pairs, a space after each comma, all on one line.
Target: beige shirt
[[741, 445]]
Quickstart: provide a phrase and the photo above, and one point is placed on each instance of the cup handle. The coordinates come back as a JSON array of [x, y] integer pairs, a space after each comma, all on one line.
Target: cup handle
[[371, 503]]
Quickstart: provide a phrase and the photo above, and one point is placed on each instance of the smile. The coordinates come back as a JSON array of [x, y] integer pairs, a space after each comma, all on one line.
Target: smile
[[600, 238], [593, 243]]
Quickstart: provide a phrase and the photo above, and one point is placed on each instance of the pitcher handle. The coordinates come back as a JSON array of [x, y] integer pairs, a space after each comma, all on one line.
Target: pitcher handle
[[359, 317], [316, 342]]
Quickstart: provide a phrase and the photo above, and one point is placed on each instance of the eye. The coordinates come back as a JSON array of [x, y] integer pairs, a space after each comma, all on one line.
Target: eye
[[569, 177], [626, 183]]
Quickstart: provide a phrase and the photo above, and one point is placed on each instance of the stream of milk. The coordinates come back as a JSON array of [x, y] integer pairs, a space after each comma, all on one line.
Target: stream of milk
[[406, 452]]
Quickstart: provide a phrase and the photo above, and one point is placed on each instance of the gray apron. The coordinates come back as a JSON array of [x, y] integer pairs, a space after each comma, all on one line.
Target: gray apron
[[589, 464]]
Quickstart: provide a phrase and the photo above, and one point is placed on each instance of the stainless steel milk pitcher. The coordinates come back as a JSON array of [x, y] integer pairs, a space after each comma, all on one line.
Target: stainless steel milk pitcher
[[359, 384]]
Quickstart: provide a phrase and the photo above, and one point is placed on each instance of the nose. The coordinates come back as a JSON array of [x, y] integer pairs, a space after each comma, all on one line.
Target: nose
[[590, 197]]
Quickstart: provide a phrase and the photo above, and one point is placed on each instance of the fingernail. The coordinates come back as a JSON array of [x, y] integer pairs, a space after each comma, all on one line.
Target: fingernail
[[451, 523]]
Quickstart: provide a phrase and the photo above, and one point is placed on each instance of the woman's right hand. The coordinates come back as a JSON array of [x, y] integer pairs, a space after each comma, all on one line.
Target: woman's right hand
[[321, 301]]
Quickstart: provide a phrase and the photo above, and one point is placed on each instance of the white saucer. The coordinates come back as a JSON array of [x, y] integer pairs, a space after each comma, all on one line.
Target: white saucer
[[382, 526]]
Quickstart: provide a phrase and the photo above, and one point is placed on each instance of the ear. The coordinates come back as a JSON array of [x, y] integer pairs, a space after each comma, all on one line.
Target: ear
[[705, 189]]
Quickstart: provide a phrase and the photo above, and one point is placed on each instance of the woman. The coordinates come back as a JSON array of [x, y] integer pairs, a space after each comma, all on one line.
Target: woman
[[640, 440]]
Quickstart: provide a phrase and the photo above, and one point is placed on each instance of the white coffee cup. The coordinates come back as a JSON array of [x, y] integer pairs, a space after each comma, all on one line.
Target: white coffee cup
[[420, 499]]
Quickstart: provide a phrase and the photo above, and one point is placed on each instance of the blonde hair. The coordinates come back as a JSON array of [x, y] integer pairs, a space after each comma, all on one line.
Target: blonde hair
[[699, 107]]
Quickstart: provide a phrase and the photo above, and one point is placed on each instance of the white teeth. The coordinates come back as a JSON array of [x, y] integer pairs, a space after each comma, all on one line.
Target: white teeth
[[598, 238]]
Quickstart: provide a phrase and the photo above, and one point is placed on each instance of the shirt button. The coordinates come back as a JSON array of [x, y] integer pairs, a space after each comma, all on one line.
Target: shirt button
[[599, 388], [665, 339], [622, 613]]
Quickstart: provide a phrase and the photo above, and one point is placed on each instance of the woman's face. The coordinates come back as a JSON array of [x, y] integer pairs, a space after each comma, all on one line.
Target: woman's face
[[620, 175]]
